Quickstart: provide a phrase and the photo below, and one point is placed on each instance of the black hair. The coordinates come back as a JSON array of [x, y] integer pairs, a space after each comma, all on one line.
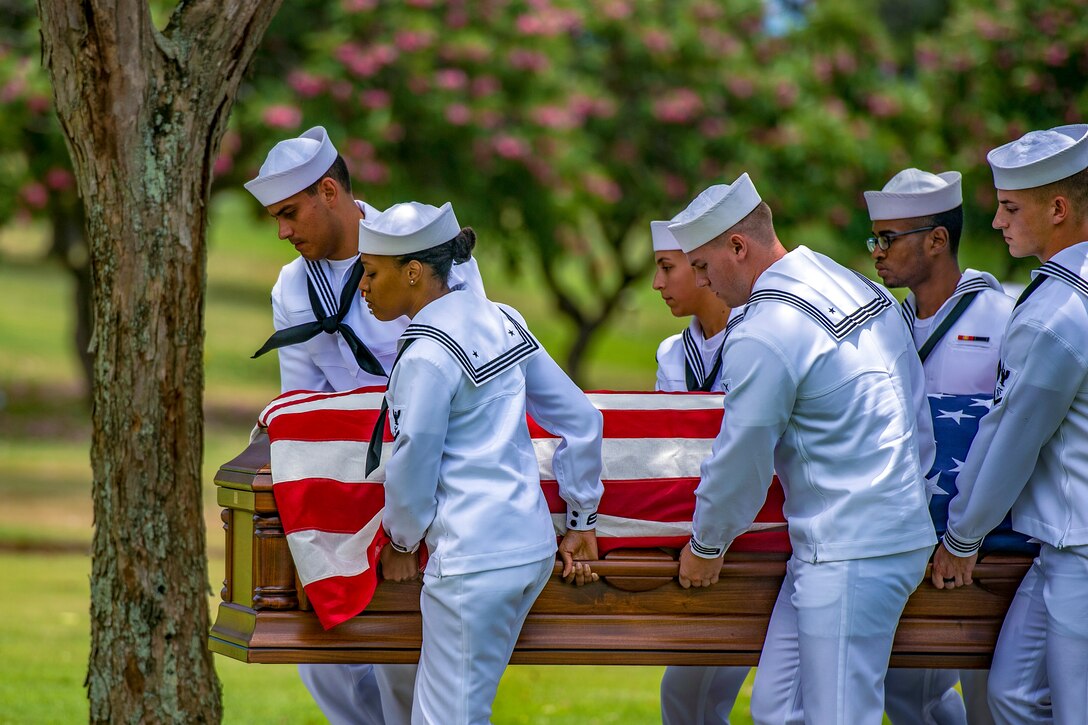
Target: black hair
[[338, 172], [952, 220], [442, 257]]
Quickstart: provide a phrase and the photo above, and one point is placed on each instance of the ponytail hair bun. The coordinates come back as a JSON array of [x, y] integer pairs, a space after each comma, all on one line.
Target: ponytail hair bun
[[462, 245]]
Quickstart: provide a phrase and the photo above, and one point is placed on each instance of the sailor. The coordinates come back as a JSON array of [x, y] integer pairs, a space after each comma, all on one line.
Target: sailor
[[327, 340], [463, 474], [823, 386], [958, 320], [305, 186], [1031, 451], [691, 361]]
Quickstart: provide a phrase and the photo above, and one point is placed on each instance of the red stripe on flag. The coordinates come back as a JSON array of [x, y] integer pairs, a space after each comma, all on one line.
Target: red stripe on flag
[[328, 425], [666, 499], [326, 505], [652, 424]]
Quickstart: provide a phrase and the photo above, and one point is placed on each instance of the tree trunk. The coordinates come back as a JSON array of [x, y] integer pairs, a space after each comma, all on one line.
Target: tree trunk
[[143, 112]]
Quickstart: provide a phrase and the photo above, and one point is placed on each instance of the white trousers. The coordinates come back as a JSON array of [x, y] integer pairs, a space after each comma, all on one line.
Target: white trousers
[[1040, 668], [346, 694], [830, 638], [914, 696], [470, 625], [361, 694], [695, 695]]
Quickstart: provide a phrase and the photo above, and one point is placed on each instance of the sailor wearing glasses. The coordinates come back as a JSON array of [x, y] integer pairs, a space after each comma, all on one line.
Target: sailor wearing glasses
[[958, 320]]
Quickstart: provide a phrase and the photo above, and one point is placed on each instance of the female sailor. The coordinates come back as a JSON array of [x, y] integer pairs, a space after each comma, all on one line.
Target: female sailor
[[463, 475]]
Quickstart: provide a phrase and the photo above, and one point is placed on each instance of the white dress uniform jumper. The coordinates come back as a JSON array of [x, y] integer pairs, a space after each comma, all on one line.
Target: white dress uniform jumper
[[1031, 454], [826, 389], [463, 476], [963, 358], [346, 694]]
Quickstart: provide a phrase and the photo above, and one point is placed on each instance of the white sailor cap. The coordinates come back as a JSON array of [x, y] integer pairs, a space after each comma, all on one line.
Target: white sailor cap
[[914, 193], [714, 211], [662, 238], [1039, 158], [407, 227], [293, 165]]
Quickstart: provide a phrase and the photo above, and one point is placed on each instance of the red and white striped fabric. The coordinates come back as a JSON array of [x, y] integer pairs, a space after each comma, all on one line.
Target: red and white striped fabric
[[331, 513]]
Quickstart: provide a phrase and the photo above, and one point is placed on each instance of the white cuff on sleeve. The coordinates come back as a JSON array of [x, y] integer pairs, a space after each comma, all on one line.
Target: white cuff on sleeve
[[958, 546], [403, 549], [705, 552], [581, 519]]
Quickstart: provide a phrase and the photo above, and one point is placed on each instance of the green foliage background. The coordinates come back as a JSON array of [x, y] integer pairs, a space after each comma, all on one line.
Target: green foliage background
[[560, 128]]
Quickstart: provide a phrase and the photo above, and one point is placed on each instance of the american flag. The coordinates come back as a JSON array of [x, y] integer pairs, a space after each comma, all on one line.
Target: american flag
[[331, 513], [955, 424]]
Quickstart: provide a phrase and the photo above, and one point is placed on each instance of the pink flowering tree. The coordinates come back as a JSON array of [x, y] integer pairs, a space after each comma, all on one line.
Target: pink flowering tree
[[561, 128]]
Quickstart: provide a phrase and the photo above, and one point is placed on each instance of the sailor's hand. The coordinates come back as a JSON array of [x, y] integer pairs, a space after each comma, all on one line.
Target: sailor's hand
[[577, 550], [696, 571], [399, 566], [951, 571]]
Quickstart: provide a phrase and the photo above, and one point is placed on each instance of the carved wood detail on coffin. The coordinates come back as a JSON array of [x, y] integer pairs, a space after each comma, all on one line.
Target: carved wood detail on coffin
[[225, 593], [637, 582], [273, 568]]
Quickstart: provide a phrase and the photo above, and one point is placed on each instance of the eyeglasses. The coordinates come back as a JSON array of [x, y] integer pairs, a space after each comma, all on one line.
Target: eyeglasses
[[885, 239]]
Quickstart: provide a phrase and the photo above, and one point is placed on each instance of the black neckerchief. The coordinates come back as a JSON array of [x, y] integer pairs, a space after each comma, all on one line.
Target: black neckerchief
[[330, 324]]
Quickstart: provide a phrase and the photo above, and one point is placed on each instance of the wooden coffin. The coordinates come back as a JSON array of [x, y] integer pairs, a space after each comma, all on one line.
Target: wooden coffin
[[636, 615]]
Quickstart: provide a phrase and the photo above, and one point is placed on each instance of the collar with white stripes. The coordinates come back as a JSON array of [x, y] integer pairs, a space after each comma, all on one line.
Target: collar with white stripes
[[319, 273], [967, 283], [1057, 271], [840, 329], [525, 346]]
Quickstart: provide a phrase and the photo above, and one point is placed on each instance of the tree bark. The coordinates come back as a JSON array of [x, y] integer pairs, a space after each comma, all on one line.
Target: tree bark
[[143, 112]]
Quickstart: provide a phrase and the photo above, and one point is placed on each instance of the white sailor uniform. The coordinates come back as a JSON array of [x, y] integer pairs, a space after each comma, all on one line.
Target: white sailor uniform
[[463, 476], [695, 694], [346, 694], [961, 360], [825, 388], [690, 362], [1031, 454], [964, 359], [326, 362]]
